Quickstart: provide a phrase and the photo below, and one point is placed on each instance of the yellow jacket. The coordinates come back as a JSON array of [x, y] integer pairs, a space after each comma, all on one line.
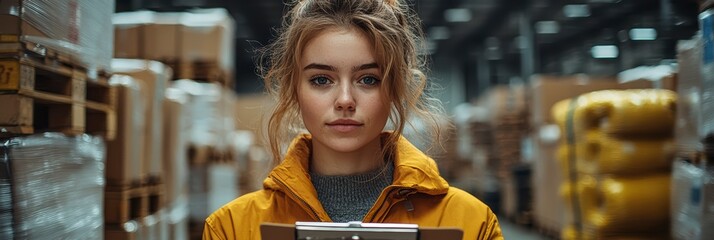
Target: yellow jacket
[[418, 195]]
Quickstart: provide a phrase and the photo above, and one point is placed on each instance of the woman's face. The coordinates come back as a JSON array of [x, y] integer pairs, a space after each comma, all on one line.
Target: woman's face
[[339, 91]]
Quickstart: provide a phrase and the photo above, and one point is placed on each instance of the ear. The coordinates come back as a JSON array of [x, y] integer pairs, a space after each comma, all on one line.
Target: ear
[[392, 3]]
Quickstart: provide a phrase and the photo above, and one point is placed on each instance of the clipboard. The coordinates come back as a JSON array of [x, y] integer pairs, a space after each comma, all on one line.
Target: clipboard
[[356, 231]]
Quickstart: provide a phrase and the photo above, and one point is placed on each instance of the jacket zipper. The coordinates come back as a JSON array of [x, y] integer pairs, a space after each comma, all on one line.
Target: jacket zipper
[[409, 206], [304, 203]]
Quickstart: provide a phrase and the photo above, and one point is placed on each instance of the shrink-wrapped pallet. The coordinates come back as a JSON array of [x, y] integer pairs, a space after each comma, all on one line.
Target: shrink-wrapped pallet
[[75, 28], [52, 187]]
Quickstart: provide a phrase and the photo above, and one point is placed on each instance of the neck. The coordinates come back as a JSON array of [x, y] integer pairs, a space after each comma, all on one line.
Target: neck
[[328, 162]]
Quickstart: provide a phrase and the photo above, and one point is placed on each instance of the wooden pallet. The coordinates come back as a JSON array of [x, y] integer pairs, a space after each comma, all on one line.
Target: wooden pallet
[[199, 155], [203, 72], [122, 204], [45, 95], [127, 231]]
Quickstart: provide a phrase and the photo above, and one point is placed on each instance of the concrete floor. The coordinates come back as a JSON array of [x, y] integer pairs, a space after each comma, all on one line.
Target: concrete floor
[[511, 231]]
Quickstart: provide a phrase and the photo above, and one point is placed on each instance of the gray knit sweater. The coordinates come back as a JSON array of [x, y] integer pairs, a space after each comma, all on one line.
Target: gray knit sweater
[[349, 198]]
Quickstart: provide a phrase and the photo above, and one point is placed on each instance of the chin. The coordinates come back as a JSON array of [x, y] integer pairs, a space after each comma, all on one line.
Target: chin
[[345, 145]]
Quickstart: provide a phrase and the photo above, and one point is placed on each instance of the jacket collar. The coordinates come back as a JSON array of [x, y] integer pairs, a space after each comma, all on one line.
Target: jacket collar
[[412, 169]]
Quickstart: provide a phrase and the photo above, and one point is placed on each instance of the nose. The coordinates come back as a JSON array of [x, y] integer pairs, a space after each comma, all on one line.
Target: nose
[[345, 99]]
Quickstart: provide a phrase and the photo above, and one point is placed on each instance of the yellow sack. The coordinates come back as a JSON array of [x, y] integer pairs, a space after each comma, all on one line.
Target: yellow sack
[[569, 233], [648, 112], [599, 153], [624, 206], [602, 154]]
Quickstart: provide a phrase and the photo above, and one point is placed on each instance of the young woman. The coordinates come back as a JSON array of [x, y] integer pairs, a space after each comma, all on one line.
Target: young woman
[[341, 69]]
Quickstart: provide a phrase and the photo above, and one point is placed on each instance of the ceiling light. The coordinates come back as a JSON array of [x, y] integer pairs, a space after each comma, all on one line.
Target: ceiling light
[[457, 15], [604, 51], [643, 34], [439, 33], [547, 27], [576, 10]]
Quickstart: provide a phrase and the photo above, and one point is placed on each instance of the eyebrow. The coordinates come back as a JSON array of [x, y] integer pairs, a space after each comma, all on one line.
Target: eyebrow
[[334, 69]]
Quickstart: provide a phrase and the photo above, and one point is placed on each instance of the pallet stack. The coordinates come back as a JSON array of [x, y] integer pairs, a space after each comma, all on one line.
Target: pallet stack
[[54, 83], [693, 175], [197, 49], [498, 143], [210, 153], [616, 163], [197, 45], [54, 79], [136, 184]]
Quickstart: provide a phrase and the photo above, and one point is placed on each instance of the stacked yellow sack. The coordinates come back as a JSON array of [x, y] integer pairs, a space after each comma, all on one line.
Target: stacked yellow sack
[[619, 145]]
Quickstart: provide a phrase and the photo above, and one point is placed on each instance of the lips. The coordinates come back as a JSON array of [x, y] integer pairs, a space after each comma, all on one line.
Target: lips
[[344, 125]]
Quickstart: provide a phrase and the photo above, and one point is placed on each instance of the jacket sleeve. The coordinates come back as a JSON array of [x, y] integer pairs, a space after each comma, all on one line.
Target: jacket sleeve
[[492, 229], [210, 233]]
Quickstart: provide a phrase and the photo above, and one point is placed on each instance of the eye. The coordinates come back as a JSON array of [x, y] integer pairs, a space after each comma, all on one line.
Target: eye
[[320, 81], [369, 80]]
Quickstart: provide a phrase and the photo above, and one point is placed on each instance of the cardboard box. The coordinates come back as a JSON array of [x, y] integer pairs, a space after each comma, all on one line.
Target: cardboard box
[[689, 91], [154, 77], [175, 144], [124, 153], [207, 36], [127, 40], [162, 39], [547, 90], [548, 210]]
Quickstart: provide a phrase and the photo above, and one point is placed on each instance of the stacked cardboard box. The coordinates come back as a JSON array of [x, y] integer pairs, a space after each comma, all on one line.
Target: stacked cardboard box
[[212, 151], [154, 78], [692, 181], [197, 44], [138, 184]]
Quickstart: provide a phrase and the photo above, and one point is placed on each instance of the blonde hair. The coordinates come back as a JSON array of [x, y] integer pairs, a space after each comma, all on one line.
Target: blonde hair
[[397, 38]]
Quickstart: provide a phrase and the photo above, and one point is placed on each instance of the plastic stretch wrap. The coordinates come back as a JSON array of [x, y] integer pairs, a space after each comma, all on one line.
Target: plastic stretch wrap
[[686, 203], [689, 90], [52, 187], [154, 77], [622, 206], [210, 188], [620, 112], [211, 109], [600, 153], [77, 28], [124, 153]]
